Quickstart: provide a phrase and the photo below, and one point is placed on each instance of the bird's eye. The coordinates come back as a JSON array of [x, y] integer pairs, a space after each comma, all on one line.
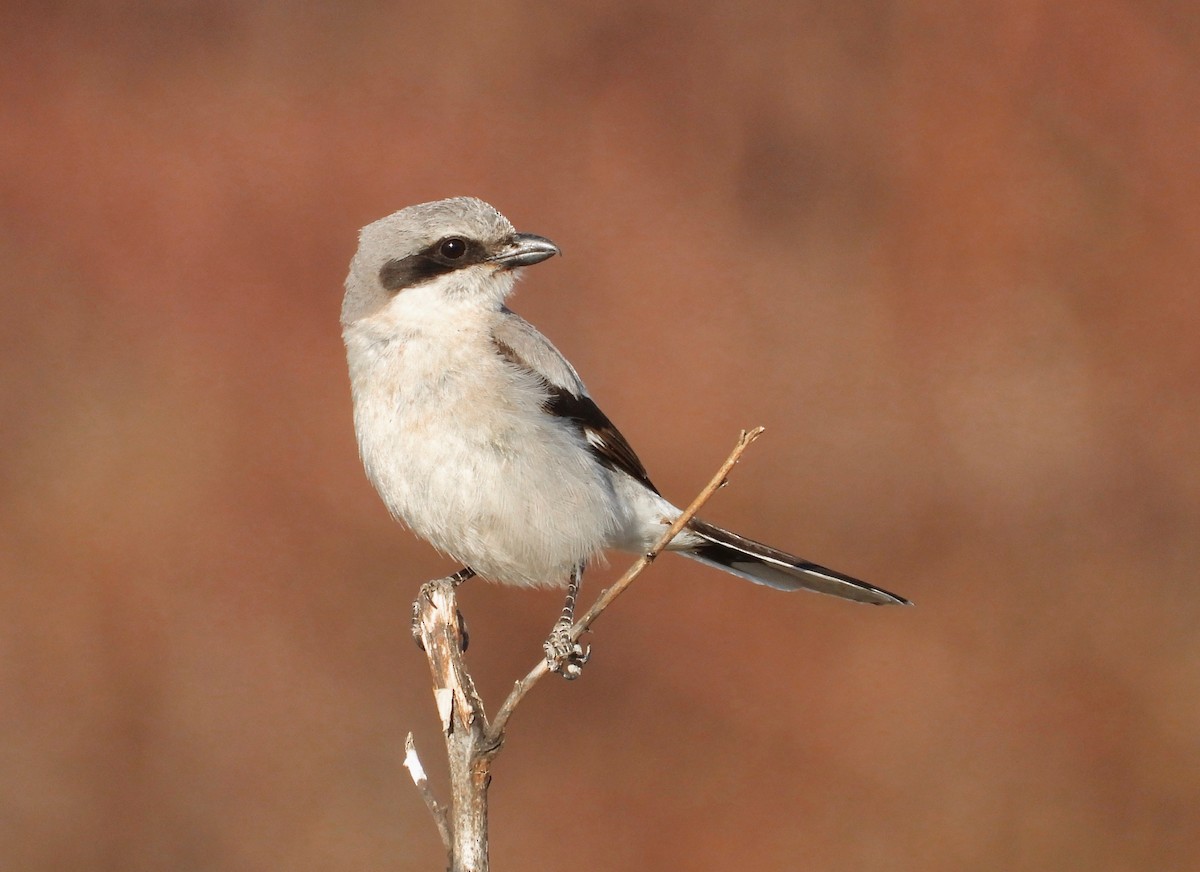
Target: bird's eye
[[452, 248]]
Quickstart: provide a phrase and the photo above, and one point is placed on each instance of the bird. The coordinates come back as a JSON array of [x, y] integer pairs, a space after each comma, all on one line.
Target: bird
[[481, 437]]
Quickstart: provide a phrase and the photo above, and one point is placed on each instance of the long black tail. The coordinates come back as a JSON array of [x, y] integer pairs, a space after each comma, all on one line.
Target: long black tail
[[763, 564]]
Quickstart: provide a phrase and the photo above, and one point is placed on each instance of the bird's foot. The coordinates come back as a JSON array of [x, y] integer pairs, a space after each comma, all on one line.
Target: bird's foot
[[563, 654], [416, 616], [416, 623]]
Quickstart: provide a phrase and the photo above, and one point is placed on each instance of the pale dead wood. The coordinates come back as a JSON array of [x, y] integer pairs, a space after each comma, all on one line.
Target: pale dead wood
[[471, 741], [417, 772], [464, 725]]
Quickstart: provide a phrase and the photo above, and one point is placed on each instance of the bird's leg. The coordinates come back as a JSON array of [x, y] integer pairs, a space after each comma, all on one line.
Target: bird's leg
[[455, 580], [464, 574], [563, 654]]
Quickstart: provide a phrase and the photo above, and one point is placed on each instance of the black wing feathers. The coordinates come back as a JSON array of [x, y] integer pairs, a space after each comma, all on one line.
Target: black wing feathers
[[602, 436]]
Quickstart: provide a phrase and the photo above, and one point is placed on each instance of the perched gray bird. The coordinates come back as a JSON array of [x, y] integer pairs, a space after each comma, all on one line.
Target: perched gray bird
[[481, 437]]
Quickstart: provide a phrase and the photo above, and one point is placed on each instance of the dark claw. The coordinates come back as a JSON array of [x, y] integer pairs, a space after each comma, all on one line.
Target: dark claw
[[565, 656], [462, 631]]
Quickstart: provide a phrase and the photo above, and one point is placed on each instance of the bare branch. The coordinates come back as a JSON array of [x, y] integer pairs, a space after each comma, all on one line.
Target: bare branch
[[464, 725], [606, 598], [413, 764], [471, 742]]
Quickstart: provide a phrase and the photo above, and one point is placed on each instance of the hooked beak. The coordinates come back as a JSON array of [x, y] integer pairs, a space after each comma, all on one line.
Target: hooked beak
[[524, 249]]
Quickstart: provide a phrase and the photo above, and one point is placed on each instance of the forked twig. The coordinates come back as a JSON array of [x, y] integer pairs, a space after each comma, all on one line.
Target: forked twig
[[472, 742], [609, 595]]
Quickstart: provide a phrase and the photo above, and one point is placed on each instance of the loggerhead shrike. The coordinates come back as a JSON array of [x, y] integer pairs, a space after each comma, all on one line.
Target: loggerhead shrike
[[481, 437]]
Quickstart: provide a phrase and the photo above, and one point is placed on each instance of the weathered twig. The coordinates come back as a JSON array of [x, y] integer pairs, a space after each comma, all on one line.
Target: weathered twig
[[413, 764], [464, 726], [471, 741], [609, 595]]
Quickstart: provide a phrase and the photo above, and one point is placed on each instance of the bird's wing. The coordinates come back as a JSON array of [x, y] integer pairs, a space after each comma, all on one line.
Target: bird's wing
[[522, 346]]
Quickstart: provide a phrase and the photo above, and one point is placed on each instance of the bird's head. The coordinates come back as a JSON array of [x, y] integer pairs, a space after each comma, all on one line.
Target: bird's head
[[456, 249]]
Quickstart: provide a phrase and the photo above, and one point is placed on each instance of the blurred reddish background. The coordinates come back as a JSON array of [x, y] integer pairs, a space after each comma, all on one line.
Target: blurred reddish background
[[948, 258]]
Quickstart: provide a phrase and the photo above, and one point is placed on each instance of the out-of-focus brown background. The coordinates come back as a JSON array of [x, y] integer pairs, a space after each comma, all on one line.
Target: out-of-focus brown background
[[948, 257]]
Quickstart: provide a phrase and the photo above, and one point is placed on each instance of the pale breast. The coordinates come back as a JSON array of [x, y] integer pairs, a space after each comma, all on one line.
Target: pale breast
[[460, 449]]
